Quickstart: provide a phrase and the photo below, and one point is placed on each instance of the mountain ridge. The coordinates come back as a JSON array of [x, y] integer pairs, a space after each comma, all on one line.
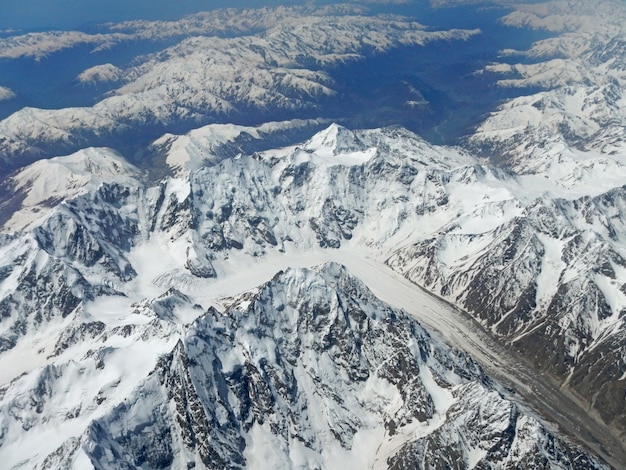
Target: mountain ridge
[[115, 255], [162, 297]]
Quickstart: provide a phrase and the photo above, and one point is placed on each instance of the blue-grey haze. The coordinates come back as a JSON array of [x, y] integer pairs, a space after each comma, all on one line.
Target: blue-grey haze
[[61, 14]]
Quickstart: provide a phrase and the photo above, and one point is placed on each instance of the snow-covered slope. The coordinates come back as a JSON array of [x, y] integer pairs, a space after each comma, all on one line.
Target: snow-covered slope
[[579, 73], [215, 142], [29, 192], [309, 370], [549, 281], [100, 74], [150, 316]]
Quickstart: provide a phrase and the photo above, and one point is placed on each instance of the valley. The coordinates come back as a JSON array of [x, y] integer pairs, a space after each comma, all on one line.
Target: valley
[[304, 236]]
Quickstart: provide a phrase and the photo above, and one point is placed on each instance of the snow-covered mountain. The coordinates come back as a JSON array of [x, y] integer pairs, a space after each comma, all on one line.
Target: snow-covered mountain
[[120, 267], [177, 296], [276, 63], [178, 154], [549, 281], [580, 75], [48, 182], [309, 370]]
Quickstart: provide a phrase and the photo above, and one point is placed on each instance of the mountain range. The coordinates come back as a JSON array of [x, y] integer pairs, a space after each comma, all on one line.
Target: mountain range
[[215, 265]]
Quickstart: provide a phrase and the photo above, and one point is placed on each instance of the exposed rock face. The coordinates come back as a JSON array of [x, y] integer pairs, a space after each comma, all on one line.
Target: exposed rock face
[[547, 282], [312, 369]]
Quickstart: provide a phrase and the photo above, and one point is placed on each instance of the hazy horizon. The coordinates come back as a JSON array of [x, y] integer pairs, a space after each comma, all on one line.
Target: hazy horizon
[[57, 14]]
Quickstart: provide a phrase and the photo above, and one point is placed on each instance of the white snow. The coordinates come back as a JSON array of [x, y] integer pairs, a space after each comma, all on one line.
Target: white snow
[[267, 450], [326, 157], [100, 74], [206, 75], [30, 355], [551, 268], [6, 94], [47, 182], [75, 388], [214, 74]]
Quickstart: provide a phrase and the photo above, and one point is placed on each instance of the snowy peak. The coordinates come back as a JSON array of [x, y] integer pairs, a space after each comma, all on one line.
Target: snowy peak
[[99, 74], [280, 68], [211, 144], [44, 184], [314, 367], [334, 140], [576, 83], [141, 327], [548, 280]]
